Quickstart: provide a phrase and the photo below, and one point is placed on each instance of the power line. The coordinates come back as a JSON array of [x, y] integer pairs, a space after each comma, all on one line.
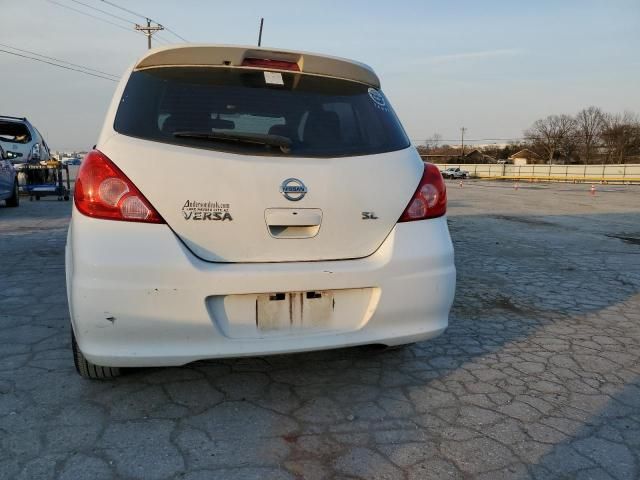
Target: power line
[[175, 34], [159, 39], [102, 11], [57, 65], [102, 19], [59, 60], [93, 16], [162, 40], [127, 10], [115, 5]]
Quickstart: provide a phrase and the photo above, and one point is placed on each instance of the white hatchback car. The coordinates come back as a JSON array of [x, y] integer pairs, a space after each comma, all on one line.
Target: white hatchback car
[[245, 201]]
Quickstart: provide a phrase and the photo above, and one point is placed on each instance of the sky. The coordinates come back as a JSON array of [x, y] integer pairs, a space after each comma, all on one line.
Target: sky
[[493, 67]]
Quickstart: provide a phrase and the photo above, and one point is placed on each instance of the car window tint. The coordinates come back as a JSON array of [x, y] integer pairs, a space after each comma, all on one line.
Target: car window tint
[[248, 122], [348, 121], [14, 132], [321, 116]]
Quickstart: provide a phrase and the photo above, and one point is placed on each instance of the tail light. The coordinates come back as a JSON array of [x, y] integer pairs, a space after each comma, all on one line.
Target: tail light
[[103, 191], [430, 198], [270, 64]]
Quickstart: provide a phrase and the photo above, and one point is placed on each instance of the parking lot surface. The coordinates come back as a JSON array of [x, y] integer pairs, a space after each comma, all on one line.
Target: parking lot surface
[[538, 375]]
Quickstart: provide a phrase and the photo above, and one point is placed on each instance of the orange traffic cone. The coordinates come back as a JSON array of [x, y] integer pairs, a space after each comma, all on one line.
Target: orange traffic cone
[[593, 189]]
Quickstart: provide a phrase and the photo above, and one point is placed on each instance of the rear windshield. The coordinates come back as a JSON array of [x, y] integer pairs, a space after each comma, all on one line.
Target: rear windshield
[[14, 132], [257, 112]]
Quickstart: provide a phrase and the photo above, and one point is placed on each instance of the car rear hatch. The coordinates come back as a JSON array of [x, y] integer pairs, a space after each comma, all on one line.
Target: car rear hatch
[[265, 164]]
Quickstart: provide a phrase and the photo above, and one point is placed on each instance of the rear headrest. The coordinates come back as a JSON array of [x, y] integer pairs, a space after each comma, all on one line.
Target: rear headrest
[[322, 127], [187, 121], [284, 131]]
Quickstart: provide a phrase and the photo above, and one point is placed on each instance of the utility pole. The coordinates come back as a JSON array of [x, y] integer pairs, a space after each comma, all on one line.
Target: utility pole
[[462, 131], [260, 34], [149, 30]]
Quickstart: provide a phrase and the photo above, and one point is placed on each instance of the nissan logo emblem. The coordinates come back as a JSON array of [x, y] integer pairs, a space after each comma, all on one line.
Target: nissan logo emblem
[[293, 189]]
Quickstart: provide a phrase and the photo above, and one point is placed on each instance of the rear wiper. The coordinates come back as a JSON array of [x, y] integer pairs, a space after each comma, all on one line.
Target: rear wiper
[[284, 143]]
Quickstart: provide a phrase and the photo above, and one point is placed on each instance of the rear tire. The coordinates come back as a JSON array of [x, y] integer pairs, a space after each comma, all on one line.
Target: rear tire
[[86, 369], [14, 200]]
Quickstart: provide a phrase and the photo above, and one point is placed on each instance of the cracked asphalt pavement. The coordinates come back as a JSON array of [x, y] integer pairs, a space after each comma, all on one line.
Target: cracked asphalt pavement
[[538, 375]]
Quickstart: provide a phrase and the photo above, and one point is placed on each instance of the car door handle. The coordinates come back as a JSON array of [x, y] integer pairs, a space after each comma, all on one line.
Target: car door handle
[[293, 222]]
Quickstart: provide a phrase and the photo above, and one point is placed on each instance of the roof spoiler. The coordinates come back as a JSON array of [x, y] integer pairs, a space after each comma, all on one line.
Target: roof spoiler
[[234, 56], [24, 119]]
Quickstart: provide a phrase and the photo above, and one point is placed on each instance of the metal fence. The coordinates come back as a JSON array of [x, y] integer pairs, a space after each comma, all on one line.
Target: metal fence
[[623, 173]]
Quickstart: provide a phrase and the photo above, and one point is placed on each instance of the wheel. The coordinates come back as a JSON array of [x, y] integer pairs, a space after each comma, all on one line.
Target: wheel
[[66, 198], [87, 369], [38, 197], [14, 200]]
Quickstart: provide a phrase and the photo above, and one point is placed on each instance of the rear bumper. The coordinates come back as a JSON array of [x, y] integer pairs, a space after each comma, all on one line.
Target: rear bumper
[[138, 297]]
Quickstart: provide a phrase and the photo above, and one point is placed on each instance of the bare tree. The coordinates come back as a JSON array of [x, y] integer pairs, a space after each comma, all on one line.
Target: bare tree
[[550, 133], [621, 135], [433, 141], [589, 124]]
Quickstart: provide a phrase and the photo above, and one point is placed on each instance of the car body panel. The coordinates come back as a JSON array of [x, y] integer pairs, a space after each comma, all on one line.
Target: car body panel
[[247, 186], [144, 299]]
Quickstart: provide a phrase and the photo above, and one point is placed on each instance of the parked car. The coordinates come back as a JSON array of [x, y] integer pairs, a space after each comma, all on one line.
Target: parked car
[[8, 181], [455, 172], [21, 141], [71, 161], [245, 201]]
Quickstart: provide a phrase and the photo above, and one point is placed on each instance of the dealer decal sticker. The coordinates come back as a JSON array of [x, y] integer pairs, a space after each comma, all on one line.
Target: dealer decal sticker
[[196, 211], [378, 99]]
